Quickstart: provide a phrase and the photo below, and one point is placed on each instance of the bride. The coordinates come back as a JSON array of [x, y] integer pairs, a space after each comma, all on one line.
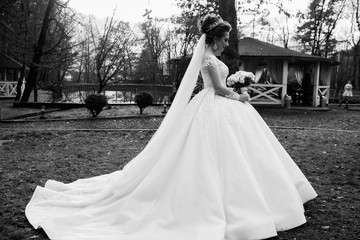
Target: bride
[[212, 171]]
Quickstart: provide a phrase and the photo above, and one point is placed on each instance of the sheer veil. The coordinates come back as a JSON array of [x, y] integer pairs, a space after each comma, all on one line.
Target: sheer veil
[[186, 87], [169, 125]]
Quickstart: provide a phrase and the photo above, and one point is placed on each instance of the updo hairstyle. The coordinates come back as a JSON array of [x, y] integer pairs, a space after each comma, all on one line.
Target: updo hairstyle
[[213, 26]]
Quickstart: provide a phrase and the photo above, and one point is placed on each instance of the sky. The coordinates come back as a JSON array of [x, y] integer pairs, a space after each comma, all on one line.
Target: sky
[[126, 10], [132, 10]]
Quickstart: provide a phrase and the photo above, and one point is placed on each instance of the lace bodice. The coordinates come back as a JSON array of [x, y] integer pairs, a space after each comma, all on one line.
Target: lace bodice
[[211, 62]]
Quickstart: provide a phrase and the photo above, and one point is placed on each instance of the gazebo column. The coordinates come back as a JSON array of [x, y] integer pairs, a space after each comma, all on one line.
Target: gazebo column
[[328, 81], [284, 81], [7, 91], [5, 74], [316, 84]]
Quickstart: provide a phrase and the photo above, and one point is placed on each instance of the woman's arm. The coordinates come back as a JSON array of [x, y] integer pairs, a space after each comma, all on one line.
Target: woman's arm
[[218, 85]]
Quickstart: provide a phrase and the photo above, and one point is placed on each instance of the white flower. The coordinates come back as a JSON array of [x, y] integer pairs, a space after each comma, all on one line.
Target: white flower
[[239, 77]]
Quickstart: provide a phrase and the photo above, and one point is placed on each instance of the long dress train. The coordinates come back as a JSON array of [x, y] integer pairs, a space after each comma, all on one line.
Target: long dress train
[[220, 175]]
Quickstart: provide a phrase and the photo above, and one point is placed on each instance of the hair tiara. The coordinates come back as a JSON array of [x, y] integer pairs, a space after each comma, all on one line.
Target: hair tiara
[[215, 24]]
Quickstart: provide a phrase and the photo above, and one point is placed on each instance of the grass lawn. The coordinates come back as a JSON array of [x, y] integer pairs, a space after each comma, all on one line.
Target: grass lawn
[[325, 145]]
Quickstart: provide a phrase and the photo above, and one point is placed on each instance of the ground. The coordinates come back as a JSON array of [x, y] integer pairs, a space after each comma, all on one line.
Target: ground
[[324, 144]]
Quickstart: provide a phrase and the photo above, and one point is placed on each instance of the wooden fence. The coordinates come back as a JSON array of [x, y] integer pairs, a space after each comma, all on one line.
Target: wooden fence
[[8, 89], [116, 93]]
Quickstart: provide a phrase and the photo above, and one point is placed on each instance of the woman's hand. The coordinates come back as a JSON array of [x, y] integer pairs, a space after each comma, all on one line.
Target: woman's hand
[[245, 97]]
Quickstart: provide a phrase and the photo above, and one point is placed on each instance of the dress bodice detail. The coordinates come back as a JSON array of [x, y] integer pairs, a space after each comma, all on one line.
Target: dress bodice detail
[[211, 62]]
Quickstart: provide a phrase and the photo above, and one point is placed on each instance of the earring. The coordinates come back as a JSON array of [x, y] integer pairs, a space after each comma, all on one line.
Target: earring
[[215, 46]]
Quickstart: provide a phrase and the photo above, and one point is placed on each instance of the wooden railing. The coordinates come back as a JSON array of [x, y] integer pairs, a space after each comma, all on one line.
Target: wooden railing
[[119, 93], [8, 89], [324, 91], [268, 94]]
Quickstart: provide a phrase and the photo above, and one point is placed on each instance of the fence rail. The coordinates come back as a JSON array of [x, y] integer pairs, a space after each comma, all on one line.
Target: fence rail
[[269, 94], [7, 89], [116, 93]]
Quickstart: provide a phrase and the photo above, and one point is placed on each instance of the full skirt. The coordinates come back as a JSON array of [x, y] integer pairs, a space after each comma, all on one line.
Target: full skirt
[[222, 176]]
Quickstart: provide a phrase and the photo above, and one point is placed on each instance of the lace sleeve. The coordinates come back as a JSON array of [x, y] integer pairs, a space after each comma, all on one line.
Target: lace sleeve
[[210, 65]]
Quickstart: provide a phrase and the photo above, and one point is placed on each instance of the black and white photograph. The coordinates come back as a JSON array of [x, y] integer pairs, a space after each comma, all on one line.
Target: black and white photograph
[[180, 119]]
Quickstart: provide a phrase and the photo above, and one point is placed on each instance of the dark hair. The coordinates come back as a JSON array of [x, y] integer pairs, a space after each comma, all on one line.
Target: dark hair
[[213, 26]]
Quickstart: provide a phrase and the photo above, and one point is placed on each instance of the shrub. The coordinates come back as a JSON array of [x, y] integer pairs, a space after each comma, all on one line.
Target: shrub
[[143, 100], [95, 103]]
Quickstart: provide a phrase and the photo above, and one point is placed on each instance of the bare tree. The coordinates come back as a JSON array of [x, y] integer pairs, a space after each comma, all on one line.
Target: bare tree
[[84, 65], [192, 11], [38, 52], [187, 31], [355, 41], [150, 65], [113, 51], [316, 33], [16, 41], [285, 14], [53, 52], [252, 17]]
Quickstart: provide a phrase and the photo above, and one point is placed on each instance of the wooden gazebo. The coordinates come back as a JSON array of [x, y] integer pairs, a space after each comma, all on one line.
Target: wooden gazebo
[[10, 70], [260, 57]]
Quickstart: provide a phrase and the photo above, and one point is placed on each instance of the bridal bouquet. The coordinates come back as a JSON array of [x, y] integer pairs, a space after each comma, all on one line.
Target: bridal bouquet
[[239, 80]]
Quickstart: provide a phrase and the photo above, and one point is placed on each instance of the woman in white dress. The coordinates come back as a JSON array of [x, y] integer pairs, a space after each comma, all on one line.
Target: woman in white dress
[[347, 94], [212, 171]]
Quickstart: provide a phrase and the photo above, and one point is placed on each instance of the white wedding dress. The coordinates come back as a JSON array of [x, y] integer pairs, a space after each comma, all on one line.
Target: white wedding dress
[[220, 175]]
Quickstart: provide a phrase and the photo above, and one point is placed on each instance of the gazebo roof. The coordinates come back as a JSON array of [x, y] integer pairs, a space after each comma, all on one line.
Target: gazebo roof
[[8, 62], [250, 47]]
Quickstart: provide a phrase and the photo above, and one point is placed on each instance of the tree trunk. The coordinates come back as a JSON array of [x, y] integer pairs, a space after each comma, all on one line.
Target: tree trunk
[[34, 67], [356, 71], [35, 93], [228, 12], [24, 26], [18, 90], [230, 56], [101, 88]]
